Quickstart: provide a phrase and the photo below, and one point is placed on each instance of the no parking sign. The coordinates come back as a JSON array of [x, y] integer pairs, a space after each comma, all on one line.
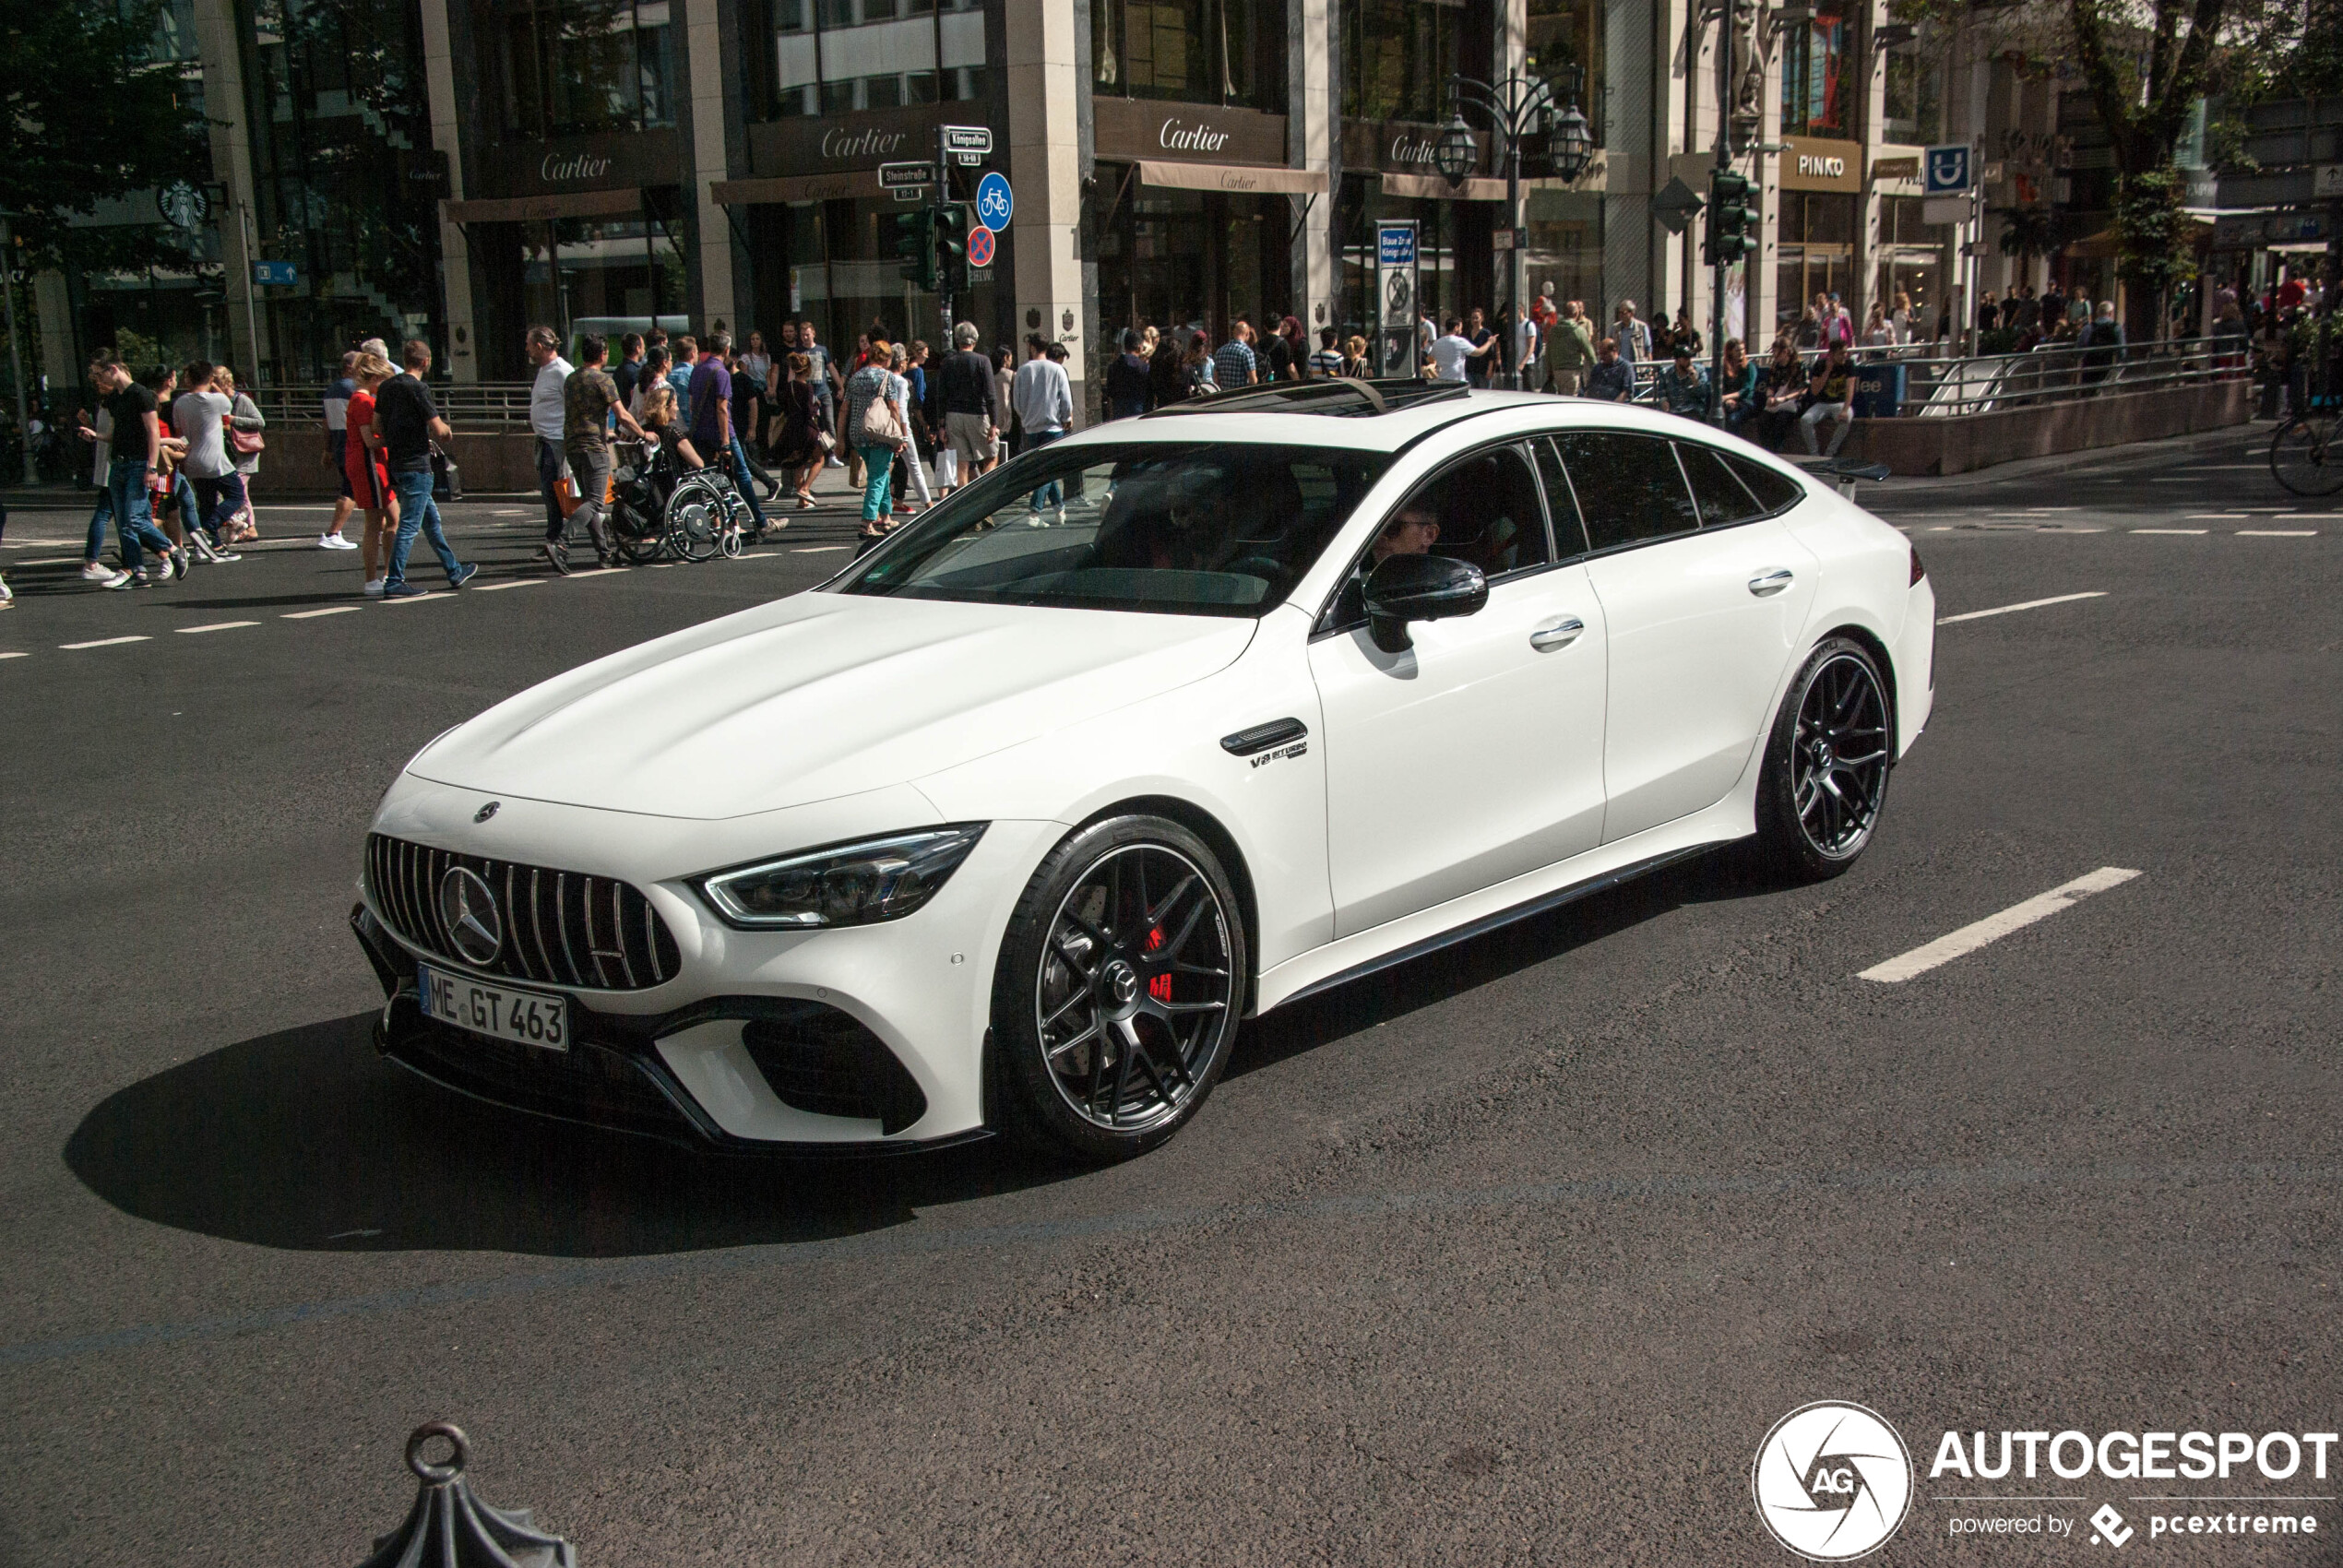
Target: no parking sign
[[980, 247]]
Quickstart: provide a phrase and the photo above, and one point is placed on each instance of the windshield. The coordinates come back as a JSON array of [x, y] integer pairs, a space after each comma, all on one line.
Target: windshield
[[1182, 529]]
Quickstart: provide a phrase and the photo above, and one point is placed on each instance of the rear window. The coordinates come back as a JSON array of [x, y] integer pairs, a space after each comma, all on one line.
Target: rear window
[[1724, 499], [1629, 487], [1775, 491]]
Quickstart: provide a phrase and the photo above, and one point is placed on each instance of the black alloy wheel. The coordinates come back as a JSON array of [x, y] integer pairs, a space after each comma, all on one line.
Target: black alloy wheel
[[1118, 992], [1826, 764]]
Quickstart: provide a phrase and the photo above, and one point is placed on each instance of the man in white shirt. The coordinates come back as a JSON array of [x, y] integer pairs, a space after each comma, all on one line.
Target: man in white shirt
[[546, 414], [1453, 353], [200, 418], [1043, 397]]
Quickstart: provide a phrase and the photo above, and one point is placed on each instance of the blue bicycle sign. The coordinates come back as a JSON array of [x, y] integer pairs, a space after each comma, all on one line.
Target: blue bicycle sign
[[994, 202]]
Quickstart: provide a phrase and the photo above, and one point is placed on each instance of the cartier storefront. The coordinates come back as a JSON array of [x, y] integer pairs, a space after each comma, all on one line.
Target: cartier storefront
[[1194, 215]]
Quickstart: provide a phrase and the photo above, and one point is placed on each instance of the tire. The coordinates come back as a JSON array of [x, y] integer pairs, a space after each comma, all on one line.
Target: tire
[[1827, 762], [2305, 457], [1117, 995], [695, 515]]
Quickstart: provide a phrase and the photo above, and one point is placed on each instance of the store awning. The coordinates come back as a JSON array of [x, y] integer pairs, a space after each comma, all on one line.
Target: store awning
[[1241, 179], [1435, 187], [845, 187], [541, 209]]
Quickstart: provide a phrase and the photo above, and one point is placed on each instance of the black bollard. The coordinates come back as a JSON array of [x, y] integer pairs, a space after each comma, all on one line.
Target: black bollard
[[448, 1528]]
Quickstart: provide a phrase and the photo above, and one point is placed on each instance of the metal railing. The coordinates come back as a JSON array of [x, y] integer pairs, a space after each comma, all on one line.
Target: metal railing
[[468, 405], [1939, 386]]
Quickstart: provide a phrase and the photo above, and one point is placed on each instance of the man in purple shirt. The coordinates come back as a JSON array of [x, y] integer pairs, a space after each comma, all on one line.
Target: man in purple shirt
[[712, 431]]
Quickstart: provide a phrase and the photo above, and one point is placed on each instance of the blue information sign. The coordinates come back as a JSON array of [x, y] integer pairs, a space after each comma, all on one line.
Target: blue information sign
[[1395, 246], [994, 201], [1946, 170], [281, 273]]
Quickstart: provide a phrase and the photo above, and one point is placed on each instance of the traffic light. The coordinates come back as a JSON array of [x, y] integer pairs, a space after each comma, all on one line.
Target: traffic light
[[952, 223], [1729, 218], [915, 246]]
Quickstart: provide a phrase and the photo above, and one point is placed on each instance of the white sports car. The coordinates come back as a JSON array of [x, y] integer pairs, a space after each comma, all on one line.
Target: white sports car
[[1159, 726]]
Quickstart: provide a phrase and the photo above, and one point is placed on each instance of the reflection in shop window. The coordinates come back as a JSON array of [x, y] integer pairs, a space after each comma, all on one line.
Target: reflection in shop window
[[1814, 75], [582, 65], [1565, 45], [1228, 52], [1399, 55], [1915, 98], [840, 56]]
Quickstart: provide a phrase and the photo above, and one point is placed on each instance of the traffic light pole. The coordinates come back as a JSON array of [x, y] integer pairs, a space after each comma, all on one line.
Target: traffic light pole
[[1724, 165], [943, 274]]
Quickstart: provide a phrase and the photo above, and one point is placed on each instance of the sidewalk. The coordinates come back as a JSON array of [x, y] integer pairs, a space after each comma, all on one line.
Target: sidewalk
[[2252, 437]]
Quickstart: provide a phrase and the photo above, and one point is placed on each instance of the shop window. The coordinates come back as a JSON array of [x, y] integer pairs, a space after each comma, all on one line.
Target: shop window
[[1915, 98], [824, 54], [1565, 45], [583, 65], [1398, 55], [1228, 52], [1815, 79]]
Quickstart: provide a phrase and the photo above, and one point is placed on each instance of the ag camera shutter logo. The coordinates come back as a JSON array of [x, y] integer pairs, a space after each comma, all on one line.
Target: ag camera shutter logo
[[1832, 1481]]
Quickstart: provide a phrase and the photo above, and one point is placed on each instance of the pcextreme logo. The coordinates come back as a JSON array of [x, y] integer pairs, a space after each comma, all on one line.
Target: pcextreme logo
[[1832, 1481]]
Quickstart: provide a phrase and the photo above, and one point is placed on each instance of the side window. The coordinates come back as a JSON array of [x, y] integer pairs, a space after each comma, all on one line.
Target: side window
[[1562, 506], [1482, 509], [1629, 487], [1775, 491], [1724, 499]]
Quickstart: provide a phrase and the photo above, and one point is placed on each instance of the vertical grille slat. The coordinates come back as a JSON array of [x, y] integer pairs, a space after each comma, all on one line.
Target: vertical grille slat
[[555, 945]]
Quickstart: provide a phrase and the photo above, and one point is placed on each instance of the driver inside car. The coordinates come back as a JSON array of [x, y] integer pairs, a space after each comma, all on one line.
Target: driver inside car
[[1412, 530]]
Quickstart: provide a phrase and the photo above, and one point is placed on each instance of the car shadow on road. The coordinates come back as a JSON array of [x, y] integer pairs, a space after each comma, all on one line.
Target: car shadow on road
[[306, 1139], [1728, 873]]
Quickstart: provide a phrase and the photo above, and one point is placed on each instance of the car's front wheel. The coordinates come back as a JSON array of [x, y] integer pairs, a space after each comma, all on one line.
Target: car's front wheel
[[1121, 978], [1826, 764]]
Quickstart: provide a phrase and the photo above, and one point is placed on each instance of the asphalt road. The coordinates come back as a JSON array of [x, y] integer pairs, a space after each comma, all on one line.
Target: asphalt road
[[1511, 1255]]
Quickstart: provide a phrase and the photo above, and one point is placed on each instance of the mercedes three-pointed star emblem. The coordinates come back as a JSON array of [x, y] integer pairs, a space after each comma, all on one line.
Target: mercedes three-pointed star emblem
[[468, 906]]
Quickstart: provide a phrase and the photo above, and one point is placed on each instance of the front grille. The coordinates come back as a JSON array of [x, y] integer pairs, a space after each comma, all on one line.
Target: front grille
[[558, 927]]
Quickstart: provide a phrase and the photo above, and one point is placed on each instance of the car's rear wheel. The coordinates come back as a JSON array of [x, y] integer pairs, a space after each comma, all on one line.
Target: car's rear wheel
[[1116, 998], [1826, 764]]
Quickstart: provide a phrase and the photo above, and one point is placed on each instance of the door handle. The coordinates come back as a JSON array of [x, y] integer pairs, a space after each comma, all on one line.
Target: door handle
[[1772, 582], [1560, 633]]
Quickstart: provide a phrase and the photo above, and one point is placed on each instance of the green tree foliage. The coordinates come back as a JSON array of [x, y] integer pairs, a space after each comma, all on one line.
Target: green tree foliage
[[94, 110]]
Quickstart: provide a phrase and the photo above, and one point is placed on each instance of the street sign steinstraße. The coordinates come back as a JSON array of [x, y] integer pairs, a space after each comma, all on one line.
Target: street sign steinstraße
[[905, 176]]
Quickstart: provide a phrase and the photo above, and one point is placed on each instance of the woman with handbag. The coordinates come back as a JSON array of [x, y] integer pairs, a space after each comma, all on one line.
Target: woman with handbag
[[799, 444], [876, 433], [908, 388], [245, 443]]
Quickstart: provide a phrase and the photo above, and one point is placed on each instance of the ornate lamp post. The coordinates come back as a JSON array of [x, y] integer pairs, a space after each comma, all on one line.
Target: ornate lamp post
[[1516, 108]]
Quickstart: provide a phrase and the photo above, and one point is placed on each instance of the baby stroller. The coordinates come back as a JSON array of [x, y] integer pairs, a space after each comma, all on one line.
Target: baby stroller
[[658, 511]]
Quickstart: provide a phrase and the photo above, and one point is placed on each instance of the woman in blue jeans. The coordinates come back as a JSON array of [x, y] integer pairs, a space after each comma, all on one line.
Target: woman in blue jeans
[[874, 384]]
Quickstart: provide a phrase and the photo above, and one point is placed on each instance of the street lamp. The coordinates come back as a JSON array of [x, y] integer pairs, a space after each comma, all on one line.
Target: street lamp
[[1516, 109], [1455, 154]]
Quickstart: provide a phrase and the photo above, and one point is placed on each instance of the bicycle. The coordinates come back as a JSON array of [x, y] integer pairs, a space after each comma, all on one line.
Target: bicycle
[[2305, 457]]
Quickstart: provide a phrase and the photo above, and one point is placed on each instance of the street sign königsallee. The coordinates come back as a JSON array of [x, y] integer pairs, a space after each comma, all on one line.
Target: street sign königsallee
[[903, 176], [968, 138]]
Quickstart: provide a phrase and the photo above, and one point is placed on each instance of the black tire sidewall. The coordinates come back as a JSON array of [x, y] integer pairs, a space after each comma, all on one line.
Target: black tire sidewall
[[1780, 838], [1029, 1107]]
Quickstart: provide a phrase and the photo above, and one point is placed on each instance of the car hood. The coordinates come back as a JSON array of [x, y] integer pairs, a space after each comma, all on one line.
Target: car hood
[[818, 695]]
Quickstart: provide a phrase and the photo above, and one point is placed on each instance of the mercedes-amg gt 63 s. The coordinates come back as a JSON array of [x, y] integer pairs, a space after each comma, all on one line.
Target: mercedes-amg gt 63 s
[[1006, 828]]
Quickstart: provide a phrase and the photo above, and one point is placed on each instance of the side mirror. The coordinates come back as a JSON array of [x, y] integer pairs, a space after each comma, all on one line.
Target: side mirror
[[1420, 587]]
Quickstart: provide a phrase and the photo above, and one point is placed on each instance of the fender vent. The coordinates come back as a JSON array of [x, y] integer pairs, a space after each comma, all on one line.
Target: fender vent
[[820, 1060]]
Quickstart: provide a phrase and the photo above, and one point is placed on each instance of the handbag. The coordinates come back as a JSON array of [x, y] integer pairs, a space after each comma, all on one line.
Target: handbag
[[447, 479], [247, 443], [880, 427]]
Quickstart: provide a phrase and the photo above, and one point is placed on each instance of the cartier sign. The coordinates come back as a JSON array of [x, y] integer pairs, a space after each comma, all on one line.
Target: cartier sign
[[872, 141], [1135, 128], [1809, 163], [625, 162], [1392, 146], [804, 147]]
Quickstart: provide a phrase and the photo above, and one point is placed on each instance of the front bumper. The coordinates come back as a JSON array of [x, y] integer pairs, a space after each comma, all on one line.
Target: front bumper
[[860, 1038]]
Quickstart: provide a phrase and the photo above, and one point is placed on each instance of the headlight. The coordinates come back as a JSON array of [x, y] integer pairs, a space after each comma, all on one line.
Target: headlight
[[858, 884]]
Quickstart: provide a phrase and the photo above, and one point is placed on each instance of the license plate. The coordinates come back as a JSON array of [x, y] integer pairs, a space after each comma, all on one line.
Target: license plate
[[526, 1017]]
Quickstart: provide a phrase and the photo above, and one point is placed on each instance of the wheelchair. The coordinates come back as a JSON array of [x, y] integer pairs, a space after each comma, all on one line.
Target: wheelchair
[[657, 511]]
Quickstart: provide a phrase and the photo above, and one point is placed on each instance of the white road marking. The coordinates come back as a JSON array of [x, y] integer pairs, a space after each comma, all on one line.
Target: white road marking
[[1992, 928], [2168, 530], [215, 626], [2216, 517], [517, 582], [2029, 604], [2302, 516], [105, 642], [820, 549], [599, 572], [2278, 533], [52, 560], [15, 656], [417, 598], [313, 614]]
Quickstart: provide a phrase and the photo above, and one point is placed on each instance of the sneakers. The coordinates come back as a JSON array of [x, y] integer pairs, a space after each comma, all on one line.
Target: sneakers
[[200, 547], [7, 595], [403, 591], [104, 576], [558, 554], [222, 557], [334, 541], [178, 564], [463, 574], [375, 587]]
